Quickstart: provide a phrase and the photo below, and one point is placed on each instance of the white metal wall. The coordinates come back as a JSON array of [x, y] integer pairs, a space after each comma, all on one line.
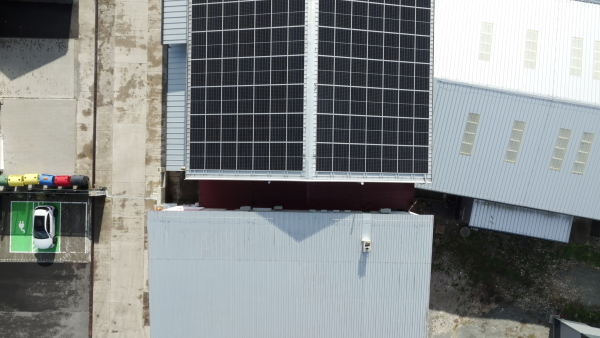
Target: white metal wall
[[174, 21], [529, 182], [288, 274], [457, 38], [522, 221], [176, 122]]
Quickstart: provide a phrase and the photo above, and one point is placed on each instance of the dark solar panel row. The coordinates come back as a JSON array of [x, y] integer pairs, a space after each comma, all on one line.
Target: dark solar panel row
[[247, 85], [374, 86]]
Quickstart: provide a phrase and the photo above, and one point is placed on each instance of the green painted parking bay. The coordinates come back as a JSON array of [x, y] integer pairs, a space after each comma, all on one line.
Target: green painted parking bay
[[73, 228], [21, 226]]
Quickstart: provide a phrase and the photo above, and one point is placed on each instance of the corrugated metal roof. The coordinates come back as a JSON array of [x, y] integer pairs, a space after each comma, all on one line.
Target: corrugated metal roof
[[288, 274], [176, 122], [589, 331], [457, 44], [174, 21], [529, 182], [522, 221]]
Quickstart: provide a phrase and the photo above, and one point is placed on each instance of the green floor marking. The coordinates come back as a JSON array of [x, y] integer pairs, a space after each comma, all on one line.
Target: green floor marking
[[21, 226]]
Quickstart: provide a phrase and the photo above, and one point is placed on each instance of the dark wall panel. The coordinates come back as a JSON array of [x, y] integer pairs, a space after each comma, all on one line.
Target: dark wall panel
[[306, 195]]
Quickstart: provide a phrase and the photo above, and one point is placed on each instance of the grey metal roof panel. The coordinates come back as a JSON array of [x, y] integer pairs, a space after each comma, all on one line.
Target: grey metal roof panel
[[174, 21], [176, 122], [284, 274], [583, 328], [522, 221], [529, 182]]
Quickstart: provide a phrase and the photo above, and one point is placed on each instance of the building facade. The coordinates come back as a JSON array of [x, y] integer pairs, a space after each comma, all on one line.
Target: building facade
[[517, 108]]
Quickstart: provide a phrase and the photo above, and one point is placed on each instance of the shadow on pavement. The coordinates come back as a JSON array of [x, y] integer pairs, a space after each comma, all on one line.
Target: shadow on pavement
[[97, 216]]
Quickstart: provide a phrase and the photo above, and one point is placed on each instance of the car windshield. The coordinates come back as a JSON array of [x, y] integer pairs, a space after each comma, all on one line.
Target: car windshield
[[38, 228]]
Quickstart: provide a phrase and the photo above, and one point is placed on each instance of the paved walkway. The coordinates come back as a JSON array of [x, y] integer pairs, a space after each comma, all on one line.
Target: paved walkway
[[128, 152]]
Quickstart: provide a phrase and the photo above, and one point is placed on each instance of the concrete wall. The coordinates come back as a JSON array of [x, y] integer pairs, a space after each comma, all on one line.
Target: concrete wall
[[39, 136]]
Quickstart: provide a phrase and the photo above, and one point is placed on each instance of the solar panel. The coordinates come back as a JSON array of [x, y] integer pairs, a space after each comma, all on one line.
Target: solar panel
[[373, 86], [247, 85], [371, 67]]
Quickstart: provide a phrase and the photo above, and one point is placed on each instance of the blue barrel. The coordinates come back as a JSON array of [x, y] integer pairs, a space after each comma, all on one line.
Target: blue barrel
[[46, 179]]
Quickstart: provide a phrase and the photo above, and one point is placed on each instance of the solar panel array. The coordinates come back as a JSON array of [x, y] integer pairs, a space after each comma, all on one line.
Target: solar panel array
[[373, 86], [247, 85]]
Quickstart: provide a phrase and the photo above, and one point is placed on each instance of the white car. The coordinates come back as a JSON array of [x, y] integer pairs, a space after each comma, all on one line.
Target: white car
[[44, 236]]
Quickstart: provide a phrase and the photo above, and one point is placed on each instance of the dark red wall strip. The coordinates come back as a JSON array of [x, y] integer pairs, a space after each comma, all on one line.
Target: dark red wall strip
[[306, 195]]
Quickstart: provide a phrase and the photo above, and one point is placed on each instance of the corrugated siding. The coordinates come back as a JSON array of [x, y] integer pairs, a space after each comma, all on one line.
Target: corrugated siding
[[174, 21], [176, 123], [578, 328], [529, 182], [561, 20], [288, 274], [522, 221]]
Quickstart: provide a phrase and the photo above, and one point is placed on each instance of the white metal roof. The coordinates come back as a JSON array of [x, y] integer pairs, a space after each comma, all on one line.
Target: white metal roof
[[553, 25], [288, 274], [529, 181], [521, 221], [589, 331]]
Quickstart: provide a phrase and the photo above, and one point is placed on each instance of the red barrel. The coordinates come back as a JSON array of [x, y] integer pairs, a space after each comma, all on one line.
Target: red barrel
[[62, 181]]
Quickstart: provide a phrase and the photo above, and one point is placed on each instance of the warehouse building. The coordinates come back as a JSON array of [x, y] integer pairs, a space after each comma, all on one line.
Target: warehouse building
[[517, 111], [289, 274]]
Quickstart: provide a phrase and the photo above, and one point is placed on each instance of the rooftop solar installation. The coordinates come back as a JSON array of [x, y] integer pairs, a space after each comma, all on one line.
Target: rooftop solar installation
[[263, 102]]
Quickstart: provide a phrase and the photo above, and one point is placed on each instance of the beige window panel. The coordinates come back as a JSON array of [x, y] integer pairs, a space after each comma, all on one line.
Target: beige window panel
[[583, 153], [466, 146], [531, 43], [596, 74], [576, 56], [514, 143], [485, 41], [560, 149]]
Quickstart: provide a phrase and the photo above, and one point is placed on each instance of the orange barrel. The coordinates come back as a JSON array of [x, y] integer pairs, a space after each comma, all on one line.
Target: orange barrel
[[46, 179], [62, 181], [31, 179], [15, 180]]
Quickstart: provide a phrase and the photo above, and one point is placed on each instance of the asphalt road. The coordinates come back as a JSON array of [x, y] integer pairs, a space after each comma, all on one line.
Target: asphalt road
[[44, 301]]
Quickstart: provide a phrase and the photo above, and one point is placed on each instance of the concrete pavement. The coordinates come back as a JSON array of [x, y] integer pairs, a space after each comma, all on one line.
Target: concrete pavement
[[128, 152]]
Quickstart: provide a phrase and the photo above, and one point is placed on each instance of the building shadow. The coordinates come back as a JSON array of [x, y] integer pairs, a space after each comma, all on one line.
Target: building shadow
[[33, 34], [362, 264], [97, 215]]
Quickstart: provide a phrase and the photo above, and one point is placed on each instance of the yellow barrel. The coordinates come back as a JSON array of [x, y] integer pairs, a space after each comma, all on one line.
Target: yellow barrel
[[15, 180], [31, 179]]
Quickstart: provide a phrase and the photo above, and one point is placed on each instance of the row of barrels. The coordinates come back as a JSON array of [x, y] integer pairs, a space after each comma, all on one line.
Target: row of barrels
[[65, 181]]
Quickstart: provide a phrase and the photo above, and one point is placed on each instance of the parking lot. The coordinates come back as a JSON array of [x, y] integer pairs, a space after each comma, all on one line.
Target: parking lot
[[44, 300], [73, 228]]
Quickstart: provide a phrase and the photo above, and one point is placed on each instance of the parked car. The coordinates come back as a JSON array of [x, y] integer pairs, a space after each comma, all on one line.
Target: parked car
[[44, 236]]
